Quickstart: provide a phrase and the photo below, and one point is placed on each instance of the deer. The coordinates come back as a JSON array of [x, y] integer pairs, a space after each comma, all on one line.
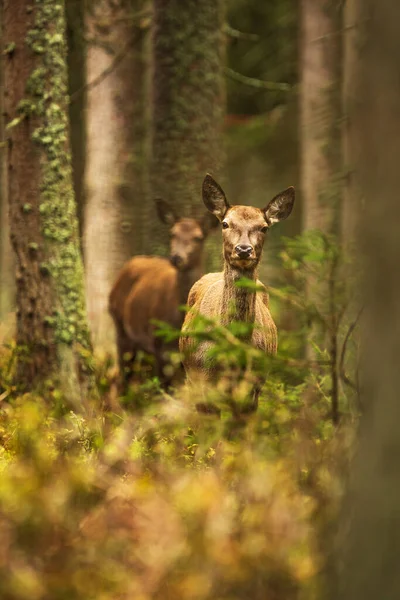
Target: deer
[[153, 288], [216, 295]]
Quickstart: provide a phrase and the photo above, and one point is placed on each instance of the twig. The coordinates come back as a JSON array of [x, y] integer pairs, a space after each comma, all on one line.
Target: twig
[[240, 35], [334, 342], [334, 33], [342, 372], [257, 83], [4, 395]]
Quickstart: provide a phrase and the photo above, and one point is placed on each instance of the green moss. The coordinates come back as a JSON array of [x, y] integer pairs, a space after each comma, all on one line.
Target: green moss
[[188, 87], [9, 49], [48, 99]]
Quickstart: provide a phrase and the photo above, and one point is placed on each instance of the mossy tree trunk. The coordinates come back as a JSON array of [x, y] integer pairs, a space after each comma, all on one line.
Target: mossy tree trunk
[[187, 104], [7, 286], [52, 332], [369, 543], [116, 141]]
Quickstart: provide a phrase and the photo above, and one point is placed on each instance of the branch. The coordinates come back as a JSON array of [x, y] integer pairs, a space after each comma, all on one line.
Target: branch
[[257, 83], [343, 375], [337, 32], [107, 71], [240, 35]]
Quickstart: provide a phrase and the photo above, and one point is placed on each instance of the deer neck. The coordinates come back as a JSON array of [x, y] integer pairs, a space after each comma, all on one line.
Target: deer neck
[[238, 303]]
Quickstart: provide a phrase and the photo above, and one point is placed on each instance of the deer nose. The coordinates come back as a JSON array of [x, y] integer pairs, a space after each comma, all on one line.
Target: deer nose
[[176, 260], [243, 250]]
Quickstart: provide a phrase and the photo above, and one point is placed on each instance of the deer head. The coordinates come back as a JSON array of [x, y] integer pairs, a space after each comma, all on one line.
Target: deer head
[[244, 228], [187, 236]]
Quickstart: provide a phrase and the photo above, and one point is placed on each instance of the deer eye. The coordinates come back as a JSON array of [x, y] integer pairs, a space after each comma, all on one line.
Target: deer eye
[[264, 229], [225, 225]]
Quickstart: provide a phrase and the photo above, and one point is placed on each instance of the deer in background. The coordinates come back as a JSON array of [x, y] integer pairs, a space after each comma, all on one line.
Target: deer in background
[[244, 229], [152, 287]]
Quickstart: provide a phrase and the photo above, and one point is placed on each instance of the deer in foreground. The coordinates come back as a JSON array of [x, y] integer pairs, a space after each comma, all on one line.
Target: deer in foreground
[[152, 287], [216, 295]]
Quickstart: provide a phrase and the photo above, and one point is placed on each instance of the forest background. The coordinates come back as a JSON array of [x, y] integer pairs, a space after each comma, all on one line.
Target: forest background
[[107, 105]]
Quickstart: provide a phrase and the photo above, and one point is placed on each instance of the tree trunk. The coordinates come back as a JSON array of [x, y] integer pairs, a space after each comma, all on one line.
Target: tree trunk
[[370, 540], [320, 114], [352, 46], [321, 167], [51, 319], [7, 286], [116, 126], [188, 102]]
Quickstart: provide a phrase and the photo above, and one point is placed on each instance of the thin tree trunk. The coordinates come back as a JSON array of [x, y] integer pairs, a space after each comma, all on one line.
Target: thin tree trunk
[[370, 529], [352, 51], [51, 317], [320, 115], [7, 284], [116, 133], [75, 11], [320, 149], [188, 103]]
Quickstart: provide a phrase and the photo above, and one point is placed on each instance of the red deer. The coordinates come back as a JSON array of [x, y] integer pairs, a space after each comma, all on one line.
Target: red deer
[[152, 287], [216, 296]]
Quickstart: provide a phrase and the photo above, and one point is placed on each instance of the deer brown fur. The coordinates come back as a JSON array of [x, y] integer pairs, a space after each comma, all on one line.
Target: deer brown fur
[[216, 295], [152, 288]]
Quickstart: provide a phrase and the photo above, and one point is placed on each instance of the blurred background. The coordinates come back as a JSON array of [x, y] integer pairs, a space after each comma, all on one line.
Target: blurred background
[[133, 496], [162, 94]]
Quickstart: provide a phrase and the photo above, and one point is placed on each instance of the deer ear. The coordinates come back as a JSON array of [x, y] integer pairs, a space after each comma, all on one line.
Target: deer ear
[[214, 197], [280, 207], [165, 213]]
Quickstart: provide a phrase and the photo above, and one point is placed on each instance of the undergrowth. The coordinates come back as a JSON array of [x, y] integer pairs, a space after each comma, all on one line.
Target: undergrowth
[[140, 497]]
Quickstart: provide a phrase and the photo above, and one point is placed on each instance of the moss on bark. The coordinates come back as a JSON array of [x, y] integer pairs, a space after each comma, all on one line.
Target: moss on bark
[[188, 100], [51, 315]]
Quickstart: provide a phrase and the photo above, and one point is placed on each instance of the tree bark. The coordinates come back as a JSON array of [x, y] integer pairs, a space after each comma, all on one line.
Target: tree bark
[[320, 115], [75, 11], [52, 332], [188, 103], [370, 527], [352, 54], [7, 284], [321, 163], [116, 139]]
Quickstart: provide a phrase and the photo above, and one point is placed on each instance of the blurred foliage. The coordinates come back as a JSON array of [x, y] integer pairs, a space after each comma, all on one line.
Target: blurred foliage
[[160, 506], [269, 54], [142, 497]]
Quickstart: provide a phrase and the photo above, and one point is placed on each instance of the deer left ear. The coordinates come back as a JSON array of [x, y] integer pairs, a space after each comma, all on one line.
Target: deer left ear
[[280, 207], [214, 197], [165, 212]]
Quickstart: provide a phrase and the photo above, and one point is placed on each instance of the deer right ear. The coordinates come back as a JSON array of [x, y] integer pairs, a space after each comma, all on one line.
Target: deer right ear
[[165, 212], [214, 197]]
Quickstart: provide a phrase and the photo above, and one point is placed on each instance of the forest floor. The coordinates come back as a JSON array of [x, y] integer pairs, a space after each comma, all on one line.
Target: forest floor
[[138, 496]]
